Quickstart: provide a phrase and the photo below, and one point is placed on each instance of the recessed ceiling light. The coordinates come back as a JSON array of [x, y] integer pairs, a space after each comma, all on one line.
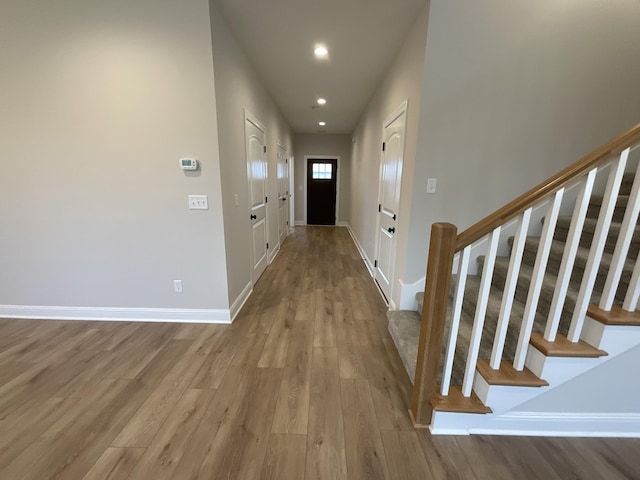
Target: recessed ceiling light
[[322, 124], [321, 51], [321, 101]]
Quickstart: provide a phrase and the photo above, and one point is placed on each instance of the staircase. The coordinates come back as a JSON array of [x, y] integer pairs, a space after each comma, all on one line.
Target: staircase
[[521, 325]]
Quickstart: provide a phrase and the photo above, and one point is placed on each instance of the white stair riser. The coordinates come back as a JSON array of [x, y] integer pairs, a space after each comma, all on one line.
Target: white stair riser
[[613, 339], [557, 370], [501, 398]]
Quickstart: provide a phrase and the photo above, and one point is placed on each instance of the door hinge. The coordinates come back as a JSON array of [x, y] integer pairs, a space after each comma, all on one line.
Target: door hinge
[[379, 207], [264, 147], [375, 264], [394, 216], [286, 160], [384, 146], [267, 246], [266, 200], [287, 222]]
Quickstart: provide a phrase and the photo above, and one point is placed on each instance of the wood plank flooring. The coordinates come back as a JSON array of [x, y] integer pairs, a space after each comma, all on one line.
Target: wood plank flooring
[[306, 384]]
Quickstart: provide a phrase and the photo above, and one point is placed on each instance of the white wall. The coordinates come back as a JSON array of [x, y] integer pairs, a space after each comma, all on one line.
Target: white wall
[[238, 87], [402, 82], [513, 92], [99, 101], [609, 388], [322, 145]]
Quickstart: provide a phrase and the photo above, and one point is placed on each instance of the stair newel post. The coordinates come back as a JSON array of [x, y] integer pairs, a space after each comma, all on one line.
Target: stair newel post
[[439, 266]]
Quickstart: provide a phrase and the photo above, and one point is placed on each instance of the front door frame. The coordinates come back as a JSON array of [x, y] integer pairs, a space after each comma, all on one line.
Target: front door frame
[[322, 157]]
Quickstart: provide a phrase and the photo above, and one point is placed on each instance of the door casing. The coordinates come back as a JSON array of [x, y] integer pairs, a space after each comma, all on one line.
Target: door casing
[[283, 192]]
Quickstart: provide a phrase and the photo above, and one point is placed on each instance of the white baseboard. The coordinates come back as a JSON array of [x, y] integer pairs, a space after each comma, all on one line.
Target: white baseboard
[[300, 223], [408, 294], [363, 255], [563, 424], [342, 224], [116, 314], [274, 253], [239, 302]]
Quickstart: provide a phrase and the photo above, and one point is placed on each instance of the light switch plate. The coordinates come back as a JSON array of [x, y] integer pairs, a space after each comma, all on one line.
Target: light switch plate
[[431, 185], [198, 202]]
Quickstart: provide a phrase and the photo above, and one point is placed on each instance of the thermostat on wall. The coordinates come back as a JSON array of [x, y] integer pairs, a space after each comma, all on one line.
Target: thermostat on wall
[[188, 164]]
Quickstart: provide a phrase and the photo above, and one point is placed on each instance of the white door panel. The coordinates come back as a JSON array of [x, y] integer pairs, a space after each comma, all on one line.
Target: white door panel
[[259, 231], [386, 240], [257, 177], [389, 198]]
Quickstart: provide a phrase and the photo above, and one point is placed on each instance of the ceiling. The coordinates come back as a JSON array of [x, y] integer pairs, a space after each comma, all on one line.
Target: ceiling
[[362, 36]]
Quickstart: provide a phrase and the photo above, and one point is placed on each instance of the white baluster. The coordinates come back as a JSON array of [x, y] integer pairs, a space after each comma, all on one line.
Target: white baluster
[[631, 299], [463, 268], [569, 257], [627, 229], [539, 268], [481, 310], [597, 246], [510, 289]]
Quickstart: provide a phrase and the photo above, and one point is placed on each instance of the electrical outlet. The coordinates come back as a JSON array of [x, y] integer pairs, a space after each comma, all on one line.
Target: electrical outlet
[[431, 185], [177, 286], [198, 202]]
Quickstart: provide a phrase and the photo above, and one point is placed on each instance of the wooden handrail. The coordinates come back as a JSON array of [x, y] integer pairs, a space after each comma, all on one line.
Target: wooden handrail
[[548, 187]]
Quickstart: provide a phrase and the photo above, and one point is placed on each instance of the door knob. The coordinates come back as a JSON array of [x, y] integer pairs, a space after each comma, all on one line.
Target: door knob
[[391, 230], [253, 217]]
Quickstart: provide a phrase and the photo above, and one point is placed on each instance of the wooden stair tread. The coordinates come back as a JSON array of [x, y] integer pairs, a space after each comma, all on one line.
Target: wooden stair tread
[[457, 403], [562, 347], [617, 316], [508, 376]]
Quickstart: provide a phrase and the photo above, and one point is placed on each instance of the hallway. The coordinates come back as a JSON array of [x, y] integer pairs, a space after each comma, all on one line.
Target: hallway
[[305, 384]]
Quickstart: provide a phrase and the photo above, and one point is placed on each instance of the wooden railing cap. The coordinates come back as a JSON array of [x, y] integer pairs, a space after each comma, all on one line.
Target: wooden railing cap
[[548, 187]]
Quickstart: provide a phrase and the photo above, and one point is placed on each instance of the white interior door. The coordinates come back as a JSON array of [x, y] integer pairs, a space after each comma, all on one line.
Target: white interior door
[[292, 193], [283, 194], [257, 177], [389, 198]]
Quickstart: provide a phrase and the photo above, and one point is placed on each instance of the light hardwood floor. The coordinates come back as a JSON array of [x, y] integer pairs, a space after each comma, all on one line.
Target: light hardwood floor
[[306, 384]]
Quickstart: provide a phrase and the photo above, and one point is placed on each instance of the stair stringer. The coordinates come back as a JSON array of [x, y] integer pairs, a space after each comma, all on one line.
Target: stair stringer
[[504, 400]]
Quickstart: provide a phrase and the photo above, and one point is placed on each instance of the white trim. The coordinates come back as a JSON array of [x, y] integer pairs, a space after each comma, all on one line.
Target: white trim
[[408, 294], [292, 194], [287, 229], [275, 253], [116, 314], [304, 185], [239, 302], [363, 255], [563, 424], [342, 224], [300, 223]]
